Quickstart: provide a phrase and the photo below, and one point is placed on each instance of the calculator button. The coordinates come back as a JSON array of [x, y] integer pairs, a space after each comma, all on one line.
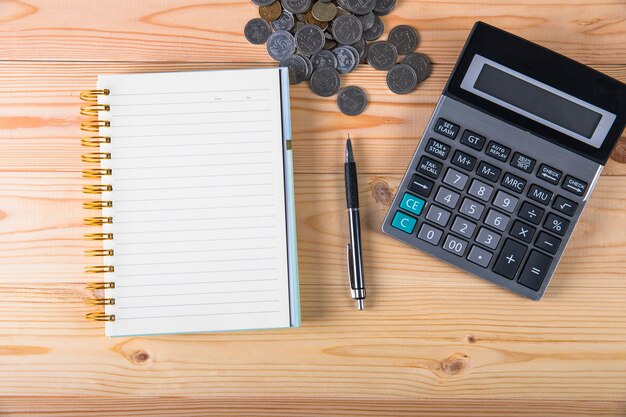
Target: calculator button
[[412, 204], [574, 185], [403, 222], [513, 183], [439, 149], [556, 224], [548, 242], [547, 173], [540, 195], [495, 150], [429, 167], [531, 213], [480, 190], [505, 201], [488, 171], [473, 140], [522, 231], [510, 259], [430, 234], [535, 270], [463, 227], [464, 160], [455, 179], [564, 205], [447, 197], [488, 238], [446, 128], [479, 256], [472, 208], [496, 219], [523, 162], [420, 185], [455, 245], [438, 215]]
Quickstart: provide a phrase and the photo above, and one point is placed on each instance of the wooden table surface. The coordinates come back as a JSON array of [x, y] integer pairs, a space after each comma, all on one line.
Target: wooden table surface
[[434, 340]]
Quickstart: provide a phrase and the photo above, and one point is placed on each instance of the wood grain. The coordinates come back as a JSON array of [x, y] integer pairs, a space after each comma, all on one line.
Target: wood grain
[[434, 340]]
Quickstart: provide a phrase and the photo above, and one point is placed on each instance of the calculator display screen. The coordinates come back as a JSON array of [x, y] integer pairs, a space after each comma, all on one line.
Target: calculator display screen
[[537, 101]]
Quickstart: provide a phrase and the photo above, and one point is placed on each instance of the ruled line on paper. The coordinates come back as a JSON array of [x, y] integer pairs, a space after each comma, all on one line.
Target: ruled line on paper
[[178, 145], [190, 113], [234, 217], [187, 208], [193, 155], [196, 187], [196, 315], [183, 166], [194, 283], [192, 134], [199, 240], [189, 123], [198, 304], [194, 251], [194, 293], [191, 102], [263, 258], [210, 271], [193, 198], [188, 92], [134, 178]]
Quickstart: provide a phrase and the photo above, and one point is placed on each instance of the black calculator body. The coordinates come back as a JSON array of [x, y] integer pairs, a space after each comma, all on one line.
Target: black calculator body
[[508, 161]]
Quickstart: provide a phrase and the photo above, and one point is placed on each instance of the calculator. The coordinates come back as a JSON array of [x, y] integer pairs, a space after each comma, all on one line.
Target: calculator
[[508, 161]]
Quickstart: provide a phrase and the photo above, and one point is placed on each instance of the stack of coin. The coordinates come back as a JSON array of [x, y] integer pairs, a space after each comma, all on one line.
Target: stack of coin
[[318, 40]]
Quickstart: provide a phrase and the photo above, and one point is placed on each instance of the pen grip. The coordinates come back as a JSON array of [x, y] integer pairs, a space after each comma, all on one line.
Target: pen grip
[[352, 187]]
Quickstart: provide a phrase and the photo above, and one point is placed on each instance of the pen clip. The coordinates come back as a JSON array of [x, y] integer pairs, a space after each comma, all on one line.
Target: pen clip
[[350, 266]]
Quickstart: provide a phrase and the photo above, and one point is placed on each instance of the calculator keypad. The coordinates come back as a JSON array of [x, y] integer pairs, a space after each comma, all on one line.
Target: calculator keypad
[[488, 204]]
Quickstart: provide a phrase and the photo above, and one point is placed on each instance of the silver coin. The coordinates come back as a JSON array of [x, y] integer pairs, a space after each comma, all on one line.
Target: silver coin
[[401, 79], [346, 59], [297, 68], [261, 3], [384, 7], [351, 100], [309, 67], [367, 20], [382, 55], [360, 6], [296, 6], [257, 31], [324, 59], [359, 46], [420, 63], [347, 29], [377, 29], [355, 52], [280, 44], [404, 38], [310, 39], [284, 22], [325, 82]]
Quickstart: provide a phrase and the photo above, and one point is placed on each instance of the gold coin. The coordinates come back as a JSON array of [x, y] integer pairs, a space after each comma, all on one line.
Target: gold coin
[[324, 12], [271, 12], [311, 20]]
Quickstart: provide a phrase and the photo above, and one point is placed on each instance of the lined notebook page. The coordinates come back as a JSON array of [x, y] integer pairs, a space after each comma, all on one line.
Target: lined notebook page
[[200, 240]]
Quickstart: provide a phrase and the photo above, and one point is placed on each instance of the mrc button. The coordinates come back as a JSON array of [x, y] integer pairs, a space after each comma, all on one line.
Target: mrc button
[[513, 183], [446, 128], [574, 185]]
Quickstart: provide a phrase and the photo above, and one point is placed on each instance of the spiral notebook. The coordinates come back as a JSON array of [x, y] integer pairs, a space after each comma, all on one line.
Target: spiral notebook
[[194, 202]]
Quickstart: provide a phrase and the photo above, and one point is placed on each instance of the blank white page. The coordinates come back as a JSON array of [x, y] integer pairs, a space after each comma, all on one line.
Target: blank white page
[[200, 239]]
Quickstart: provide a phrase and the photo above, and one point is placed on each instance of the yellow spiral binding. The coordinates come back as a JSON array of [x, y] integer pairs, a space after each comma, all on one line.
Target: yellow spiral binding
[[92, 95], [100, 301], [99, 252], [94, 141], [97, 189], [94, 109], [95, 157], [97, 221], [100, 285], [96, 173], [97, 316]]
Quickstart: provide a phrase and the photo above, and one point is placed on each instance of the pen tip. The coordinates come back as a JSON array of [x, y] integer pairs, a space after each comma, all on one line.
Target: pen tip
[[349, 156], [360, 303]]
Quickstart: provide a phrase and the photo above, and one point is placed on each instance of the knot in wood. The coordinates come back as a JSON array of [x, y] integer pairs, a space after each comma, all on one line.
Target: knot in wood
[[140, 357], [619, 153], [455, 364], [381, 191]]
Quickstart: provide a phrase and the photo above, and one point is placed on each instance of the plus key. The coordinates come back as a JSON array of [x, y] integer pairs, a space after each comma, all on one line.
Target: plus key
[[510, 259]]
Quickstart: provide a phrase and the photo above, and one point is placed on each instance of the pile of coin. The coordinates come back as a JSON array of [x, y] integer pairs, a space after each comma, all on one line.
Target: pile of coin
[[320, 41]]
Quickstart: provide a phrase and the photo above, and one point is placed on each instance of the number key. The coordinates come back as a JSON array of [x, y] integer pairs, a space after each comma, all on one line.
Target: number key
[[455, 245], [447, 197], [430, 234], [496, 219], [438, 215], [455, 179], [505, 201], [480, 190], [488, 238], [472, 208], [463, 227]]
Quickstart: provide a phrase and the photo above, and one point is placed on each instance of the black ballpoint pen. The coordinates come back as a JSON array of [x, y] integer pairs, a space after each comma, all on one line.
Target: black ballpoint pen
[[355, 259]]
